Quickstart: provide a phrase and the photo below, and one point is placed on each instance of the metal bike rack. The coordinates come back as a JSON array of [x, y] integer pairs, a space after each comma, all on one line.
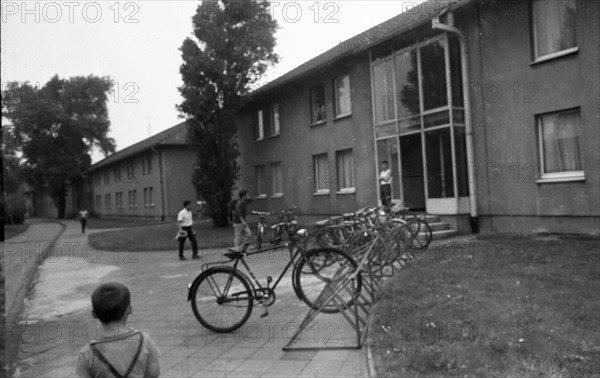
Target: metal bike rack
[[360, 312]]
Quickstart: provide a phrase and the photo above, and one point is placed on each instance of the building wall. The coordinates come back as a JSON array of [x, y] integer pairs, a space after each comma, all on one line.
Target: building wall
[[509, 93], [178, 165], [299, 141], [137, 182]]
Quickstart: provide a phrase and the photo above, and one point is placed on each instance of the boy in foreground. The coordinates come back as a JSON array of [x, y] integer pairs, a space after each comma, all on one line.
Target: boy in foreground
[[119, 351]]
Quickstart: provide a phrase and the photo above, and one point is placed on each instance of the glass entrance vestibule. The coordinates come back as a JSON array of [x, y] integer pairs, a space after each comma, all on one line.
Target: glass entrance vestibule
[[418, 117]]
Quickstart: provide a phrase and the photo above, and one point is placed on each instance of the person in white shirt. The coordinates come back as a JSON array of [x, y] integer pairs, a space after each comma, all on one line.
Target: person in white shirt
[[184, 220], [83, 216], [385, 184]]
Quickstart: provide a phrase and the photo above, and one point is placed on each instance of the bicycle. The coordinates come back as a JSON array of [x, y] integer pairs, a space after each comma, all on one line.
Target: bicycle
[[416, 223], [222, 297]]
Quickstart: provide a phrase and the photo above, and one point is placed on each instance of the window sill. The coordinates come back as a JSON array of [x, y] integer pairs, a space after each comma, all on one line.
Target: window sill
[[318, 123], [277, 195], [261, 196], [342, 116], [346, 191], [555, 55], [259, 140], [274, 136], [322, 192], [557, 179]]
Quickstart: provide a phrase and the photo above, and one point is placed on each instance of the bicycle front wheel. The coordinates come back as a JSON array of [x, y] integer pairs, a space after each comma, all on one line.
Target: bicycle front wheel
[[325, 280], [222, 299]]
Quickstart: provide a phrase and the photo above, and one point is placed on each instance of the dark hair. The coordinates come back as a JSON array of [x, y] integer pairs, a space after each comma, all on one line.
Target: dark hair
[[110, 301], [243, 192], [186, 202], [385, 162]]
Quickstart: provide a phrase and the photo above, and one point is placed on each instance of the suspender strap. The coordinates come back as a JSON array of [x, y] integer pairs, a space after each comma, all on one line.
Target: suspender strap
[[112, 368]]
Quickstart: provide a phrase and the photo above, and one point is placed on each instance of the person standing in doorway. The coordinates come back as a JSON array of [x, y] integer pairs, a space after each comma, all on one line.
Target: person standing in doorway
[[83, 216], [241, 230], [184, 220], [385, 184]]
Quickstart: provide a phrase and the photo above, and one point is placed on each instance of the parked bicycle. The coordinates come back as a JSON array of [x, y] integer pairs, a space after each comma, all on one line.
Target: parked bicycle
[[222, 296]]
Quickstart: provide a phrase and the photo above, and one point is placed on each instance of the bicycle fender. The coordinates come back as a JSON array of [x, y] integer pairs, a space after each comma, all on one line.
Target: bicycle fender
[[201, 275]]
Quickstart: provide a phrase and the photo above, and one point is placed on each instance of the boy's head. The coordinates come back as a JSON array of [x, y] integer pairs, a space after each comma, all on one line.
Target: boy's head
[[384, 165], [243, 193], [111, 302], [187, 204]]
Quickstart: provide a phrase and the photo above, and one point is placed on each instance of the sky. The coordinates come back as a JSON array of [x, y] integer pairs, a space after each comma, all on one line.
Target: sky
[[137, 44]]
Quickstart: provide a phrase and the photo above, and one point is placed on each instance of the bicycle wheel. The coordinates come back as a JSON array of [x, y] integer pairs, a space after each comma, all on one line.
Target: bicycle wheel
[[323, 279], [371, 245], [421, 232], [222, 299]]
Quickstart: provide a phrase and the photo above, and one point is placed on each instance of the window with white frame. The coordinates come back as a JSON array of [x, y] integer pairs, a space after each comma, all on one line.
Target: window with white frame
[[275, 128], [383, 87], [259, 130], [322, 174], [145, 197], [317, 104], [261, 181], [345, 170], [276, 180], [341, 87], [560, 141], [553, 27]]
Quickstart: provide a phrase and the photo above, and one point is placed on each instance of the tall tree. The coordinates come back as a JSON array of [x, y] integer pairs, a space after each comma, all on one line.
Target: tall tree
[[231, 49], [57, 126]]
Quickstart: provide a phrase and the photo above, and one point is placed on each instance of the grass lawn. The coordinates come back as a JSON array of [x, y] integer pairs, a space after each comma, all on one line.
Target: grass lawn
[[11, 230], [495, 306], [161, 237], [102, 223]]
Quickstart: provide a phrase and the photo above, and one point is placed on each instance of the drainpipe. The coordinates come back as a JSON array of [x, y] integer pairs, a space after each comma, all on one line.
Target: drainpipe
[[464, 60]]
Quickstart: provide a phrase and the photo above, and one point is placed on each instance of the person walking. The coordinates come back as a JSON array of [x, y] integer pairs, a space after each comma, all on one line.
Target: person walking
[[83, 216], [185, 222], [241, 230], [385, 184]]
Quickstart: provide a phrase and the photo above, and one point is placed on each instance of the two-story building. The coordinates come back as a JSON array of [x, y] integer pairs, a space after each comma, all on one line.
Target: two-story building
[[148, 179], [487, 111]]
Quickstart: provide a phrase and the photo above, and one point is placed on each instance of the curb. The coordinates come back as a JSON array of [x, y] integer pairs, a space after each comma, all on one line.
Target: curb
[[15, 313]]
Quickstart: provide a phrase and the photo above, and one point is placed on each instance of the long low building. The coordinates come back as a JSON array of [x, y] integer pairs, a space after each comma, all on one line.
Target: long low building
[[148, 179]]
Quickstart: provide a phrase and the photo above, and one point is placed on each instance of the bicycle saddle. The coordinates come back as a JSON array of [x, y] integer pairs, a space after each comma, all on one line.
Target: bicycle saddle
[[324, 222]]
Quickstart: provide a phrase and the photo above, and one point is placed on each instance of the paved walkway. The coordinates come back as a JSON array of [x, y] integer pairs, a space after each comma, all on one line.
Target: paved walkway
[[59, 322]]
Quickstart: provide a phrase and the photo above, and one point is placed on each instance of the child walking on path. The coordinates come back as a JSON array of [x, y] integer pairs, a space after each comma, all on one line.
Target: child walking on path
[[120, 351]]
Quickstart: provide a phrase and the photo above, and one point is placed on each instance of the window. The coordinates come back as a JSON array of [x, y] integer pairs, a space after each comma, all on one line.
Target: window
[[317, 104], [132, 194], [145, 197], [107, 201], [553, 27], [149, 163], [261, 181], [322, 176], [560, 141], [383, 80], [119, 199], [117, 173], [97, 179], [106, 176], [275, 129], [345, 170], [98, 201], [342, 96], [276, 180], [259, 130], [150, 199], [130, 170]]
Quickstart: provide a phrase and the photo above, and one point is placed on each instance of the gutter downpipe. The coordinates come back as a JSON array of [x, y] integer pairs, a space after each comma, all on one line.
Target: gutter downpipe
[[464, 60]]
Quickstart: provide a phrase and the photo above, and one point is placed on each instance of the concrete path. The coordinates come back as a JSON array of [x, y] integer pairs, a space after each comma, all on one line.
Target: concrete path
[[58, 322]]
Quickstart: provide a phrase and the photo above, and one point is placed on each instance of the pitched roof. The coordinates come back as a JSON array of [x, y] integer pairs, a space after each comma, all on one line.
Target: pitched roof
[[395, 26], [175, 135]]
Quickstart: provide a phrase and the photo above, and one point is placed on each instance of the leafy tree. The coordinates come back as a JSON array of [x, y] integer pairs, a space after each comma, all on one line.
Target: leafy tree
[[56, 127], [232, 47]]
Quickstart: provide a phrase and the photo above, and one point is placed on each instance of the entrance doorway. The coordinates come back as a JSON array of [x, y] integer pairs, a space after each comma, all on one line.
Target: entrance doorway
[[411, 158]]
